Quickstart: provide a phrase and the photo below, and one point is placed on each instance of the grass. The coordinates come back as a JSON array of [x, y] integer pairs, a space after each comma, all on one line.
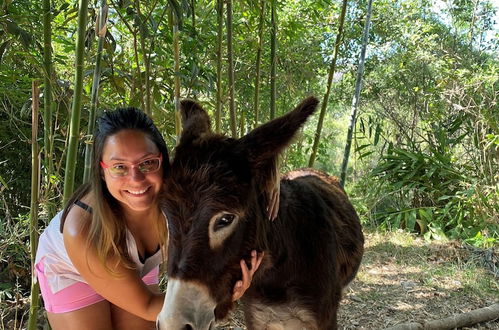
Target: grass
[[444, 264], [405, 278]]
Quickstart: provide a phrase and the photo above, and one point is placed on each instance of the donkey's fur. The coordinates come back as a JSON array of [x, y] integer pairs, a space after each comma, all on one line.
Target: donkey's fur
[[312, 250]]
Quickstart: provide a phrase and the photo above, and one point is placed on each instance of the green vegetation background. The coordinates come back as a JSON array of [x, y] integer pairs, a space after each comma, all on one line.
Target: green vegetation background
[[425, 156]]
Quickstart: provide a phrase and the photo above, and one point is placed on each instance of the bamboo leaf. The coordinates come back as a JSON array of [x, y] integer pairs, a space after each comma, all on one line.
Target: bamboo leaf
[[2, 181], [366, 154], [362, 147], [3, 47], [377, 134], [12, 27], [411, 220]]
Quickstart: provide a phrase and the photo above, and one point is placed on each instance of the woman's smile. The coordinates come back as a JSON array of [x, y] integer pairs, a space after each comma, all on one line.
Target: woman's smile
[[137, 191]]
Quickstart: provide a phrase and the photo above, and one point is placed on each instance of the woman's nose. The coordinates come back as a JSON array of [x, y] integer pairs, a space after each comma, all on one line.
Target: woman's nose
[[137, 174]]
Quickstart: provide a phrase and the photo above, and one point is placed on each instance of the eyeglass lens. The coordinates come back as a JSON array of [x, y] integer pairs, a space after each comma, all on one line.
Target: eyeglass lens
[[149, 165]]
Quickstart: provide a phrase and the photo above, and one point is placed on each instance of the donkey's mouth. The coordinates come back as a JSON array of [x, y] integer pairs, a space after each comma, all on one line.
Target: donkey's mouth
[[186, 327], [188, 306]]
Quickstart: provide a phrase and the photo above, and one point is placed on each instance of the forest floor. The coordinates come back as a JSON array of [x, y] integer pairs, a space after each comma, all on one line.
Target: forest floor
[[402, 279], [405, 279]]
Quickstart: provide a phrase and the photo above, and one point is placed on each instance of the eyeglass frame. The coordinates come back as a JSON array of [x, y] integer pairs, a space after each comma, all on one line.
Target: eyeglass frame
[[136, 164]]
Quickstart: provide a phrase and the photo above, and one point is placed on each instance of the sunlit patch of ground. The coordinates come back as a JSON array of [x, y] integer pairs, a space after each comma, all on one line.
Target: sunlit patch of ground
[[405, 279], [402, 279]]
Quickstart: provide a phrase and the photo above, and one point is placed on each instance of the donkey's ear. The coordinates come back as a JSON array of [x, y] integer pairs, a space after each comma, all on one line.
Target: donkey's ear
[[264, 144], [270, 139], [195, 120]]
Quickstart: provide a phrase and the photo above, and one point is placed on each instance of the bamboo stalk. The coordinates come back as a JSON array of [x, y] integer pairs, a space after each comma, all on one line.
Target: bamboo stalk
[[101, 28], [136, 55], [273, 60], [218, 113], [176, 77], [48, 105], [35, 184], [356, 97], [232, 103], [74, 129], [256, 99], [145, 59], [332, 70]]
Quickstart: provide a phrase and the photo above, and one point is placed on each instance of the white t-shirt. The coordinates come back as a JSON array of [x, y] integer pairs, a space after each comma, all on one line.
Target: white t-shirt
[[58, 268]]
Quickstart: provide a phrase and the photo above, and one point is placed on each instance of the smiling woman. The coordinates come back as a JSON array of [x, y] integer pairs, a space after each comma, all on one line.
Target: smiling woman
[[134, 176], [120, 226], [98, 263]]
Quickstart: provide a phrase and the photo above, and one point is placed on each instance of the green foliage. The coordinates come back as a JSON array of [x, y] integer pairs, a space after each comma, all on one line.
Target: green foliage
[[14, 247], [426, 148], [426, 140]]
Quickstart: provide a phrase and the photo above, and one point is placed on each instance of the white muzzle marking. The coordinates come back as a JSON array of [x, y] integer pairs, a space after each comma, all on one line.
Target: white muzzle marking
[[188, 305]]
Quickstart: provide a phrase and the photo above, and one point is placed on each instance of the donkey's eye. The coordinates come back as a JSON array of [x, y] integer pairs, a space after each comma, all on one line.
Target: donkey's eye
[[223, 221]]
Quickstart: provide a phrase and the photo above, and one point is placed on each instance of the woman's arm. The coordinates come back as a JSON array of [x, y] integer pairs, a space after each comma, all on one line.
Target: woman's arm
[[126, 290]]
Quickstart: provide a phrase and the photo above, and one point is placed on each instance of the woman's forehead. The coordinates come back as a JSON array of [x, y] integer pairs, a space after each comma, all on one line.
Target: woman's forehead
[[128, 145]]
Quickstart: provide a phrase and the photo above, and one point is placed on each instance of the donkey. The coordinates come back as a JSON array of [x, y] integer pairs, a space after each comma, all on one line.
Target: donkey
[[215, 199]]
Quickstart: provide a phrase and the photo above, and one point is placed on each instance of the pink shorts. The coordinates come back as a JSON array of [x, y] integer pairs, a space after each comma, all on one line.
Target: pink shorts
[[78, 295]]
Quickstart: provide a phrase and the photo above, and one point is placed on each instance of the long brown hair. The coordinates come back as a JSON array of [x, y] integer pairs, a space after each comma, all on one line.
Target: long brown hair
[[106, 231]]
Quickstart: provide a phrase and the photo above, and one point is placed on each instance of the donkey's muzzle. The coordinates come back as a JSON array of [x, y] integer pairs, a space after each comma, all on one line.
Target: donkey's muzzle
[[188, 306]]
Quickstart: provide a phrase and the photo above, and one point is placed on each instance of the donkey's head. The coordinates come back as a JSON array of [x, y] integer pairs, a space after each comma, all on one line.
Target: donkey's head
[[215, 199]]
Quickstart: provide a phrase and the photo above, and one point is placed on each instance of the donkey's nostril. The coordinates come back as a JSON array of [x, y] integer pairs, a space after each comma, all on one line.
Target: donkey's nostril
[[188, 327]]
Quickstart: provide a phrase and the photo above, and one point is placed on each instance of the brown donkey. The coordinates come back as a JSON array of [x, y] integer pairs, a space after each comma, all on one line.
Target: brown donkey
[[215, 199]]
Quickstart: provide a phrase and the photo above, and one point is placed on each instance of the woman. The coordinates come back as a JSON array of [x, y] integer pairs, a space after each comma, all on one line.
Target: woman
[[97, 261]]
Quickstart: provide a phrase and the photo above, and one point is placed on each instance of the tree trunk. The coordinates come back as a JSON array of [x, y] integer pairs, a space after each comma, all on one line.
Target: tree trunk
[[256, 100], [74, 129], [455, 321], [232, 105], [273, 61], [355, 101], [48, 106], [101, 28], [220, 19], [332, 70], [35, 182]]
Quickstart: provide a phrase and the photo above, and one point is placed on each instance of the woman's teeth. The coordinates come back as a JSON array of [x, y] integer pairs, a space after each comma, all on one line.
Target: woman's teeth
[[137, 192]]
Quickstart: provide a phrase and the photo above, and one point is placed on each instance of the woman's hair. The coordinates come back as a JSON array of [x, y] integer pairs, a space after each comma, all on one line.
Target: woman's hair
[[107, 231]]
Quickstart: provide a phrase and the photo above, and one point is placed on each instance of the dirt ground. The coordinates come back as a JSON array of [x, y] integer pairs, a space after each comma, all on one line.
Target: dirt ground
[[404, 279]]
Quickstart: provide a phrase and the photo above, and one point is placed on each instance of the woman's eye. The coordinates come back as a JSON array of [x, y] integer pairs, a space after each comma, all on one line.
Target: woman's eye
[[224, 220], [119, 168]]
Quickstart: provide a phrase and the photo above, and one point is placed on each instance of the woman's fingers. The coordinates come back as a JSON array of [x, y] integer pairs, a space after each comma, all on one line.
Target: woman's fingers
[[241, 286]]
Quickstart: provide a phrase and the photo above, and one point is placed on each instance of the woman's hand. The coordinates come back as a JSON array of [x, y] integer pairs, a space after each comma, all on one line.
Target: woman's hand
[[243, 285]]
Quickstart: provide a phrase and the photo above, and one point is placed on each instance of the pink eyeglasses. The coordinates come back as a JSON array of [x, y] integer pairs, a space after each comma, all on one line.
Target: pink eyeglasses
[[121, 169]]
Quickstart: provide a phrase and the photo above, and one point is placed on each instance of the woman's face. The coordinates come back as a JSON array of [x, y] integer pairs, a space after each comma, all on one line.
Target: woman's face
[[136, 191]]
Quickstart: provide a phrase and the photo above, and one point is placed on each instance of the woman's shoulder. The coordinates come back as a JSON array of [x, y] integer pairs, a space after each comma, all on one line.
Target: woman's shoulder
[[78, 218]]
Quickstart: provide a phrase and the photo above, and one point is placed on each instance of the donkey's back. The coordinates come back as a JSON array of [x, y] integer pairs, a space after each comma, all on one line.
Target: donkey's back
[[315, 245]]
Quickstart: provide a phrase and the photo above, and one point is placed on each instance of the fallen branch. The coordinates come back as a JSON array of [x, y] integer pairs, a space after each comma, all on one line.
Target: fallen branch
[[455, 321]]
